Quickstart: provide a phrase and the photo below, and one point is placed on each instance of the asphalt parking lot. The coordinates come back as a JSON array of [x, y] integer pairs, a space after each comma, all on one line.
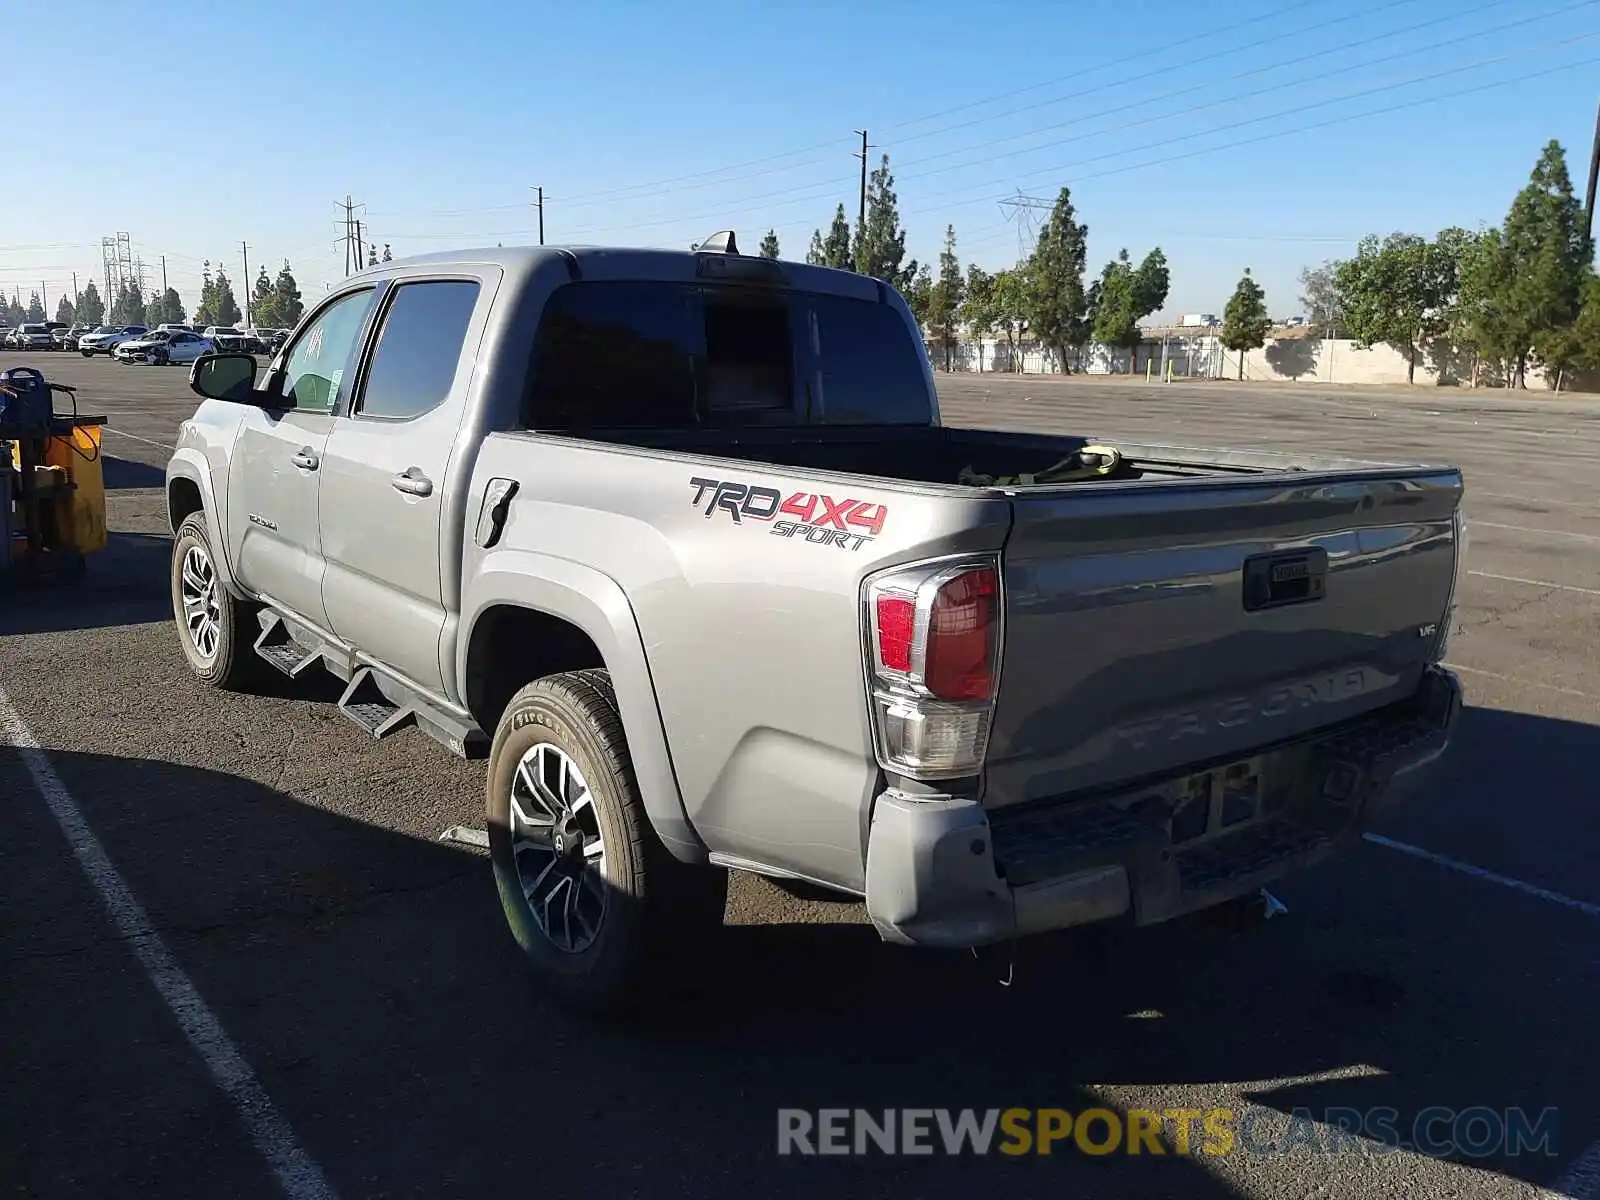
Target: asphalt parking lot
[[292, 868]]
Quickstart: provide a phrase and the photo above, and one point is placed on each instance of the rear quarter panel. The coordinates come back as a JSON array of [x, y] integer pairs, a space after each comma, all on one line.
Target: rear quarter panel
[[751, 631]]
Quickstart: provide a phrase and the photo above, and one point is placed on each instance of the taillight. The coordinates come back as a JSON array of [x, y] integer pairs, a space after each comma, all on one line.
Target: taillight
[[933, 636]]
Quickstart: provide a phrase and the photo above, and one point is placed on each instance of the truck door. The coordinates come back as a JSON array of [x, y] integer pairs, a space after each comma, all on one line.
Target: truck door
[[383, 501], [277, 461]]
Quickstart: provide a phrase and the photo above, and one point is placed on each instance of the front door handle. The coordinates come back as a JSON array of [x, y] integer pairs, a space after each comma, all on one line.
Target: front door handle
[[305, 459], [412, 482]]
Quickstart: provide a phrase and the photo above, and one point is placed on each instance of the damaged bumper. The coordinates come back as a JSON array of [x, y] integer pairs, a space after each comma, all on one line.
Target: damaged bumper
[[948, 872]]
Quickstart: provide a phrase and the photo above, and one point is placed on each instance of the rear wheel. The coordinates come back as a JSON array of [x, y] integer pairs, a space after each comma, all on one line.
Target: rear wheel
[[603, 913]]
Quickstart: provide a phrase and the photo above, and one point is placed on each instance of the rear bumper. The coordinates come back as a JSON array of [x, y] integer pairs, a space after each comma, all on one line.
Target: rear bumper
[[948, 872]]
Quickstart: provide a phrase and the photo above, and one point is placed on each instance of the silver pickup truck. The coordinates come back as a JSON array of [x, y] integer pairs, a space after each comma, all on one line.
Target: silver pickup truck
[[678, 541]]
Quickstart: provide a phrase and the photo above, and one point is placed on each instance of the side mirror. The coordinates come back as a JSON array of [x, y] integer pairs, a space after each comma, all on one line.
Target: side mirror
[[230, 377]]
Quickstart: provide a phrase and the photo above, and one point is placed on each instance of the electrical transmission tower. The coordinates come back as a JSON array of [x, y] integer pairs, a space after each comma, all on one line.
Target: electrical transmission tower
[[1022, 211]]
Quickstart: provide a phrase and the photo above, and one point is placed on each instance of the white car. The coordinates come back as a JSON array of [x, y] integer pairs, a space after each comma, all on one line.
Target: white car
[[226, 337], [106, 339], [161, 347]]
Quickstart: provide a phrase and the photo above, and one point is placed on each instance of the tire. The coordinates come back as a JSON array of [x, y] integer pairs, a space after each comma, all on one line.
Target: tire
[[655, 912], [87, 353], [232, 663]]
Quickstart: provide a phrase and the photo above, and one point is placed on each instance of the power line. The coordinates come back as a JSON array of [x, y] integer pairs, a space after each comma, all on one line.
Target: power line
[[1360, 116], [1299, 82], [786, 198], [1066, 168], [1278, 13]]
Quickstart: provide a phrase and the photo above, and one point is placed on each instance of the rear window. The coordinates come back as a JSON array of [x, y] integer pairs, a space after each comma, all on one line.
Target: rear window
[[662, 355]]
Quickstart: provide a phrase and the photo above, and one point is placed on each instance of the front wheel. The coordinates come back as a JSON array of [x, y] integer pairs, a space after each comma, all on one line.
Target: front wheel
[[603, 913], [213, 627]]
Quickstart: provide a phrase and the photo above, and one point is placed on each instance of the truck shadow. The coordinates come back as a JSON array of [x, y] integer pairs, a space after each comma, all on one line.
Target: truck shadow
[[124, 473], [350, 961]]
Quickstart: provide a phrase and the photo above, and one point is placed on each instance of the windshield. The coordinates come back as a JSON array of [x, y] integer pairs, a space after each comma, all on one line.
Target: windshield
[[109, 329], [34, 329]]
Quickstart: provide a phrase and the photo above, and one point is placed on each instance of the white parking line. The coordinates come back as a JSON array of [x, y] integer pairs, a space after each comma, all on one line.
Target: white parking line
[[1544, 583], [298, 1175], [135, 437], [1586, 537], [1516, 885], [1532, 683]]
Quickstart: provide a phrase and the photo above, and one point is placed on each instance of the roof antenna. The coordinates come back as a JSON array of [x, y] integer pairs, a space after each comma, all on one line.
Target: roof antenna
[[719, 243]]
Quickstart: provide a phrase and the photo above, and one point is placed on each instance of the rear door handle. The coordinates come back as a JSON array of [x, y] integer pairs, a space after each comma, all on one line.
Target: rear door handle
[[412, 482], [305, 459]]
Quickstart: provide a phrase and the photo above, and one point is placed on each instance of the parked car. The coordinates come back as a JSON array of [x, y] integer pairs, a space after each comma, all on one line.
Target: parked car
[[678, 542], [70, 340], [226, 338], [105, 339], [160, 347], [32, 337]]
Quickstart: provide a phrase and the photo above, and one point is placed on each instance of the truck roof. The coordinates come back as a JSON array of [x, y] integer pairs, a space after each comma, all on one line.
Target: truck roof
[[620, 262]]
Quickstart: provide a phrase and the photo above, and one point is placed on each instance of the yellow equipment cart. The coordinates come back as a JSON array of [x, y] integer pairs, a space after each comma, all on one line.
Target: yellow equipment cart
[[53, 495]]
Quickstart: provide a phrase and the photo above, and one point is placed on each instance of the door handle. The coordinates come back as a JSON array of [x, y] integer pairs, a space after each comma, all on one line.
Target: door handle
[[305, 459], [412, 482]]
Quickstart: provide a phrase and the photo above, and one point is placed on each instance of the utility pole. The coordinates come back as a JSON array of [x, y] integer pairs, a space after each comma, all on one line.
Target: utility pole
[[1594, 177], [861, 218], [349, 234], [44, 299], [245, 250], [361, 246], [74, 295], [163, 276], [539, 204]]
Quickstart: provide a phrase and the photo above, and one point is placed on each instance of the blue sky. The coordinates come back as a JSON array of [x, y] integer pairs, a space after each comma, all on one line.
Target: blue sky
[[1254, 140]]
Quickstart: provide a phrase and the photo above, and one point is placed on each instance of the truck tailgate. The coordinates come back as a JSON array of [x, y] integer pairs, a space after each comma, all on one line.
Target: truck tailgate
[[1152, 627]]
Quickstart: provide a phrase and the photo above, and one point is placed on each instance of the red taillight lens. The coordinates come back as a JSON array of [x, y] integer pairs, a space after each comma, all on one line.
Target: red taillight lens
[[959, 664], [897, 621]]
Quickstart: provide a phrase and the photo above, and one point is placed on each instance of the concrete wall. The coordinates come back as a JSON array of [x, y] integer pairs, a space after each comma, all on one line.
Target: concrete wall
[[1281, 360]]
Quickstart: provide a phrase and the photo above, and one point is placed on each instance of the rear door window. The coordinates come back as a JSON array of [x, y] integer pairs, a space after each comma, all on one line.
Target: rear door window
[[615, 355], [870, 365]]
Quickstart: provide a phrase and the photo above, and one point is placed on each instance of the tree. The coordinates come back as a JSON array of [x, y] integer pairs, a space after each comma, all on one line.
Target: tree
[[64, 311], [1245, 321], [769, 244], [1400, 290], [1550, 257], [1009, 300], [372, 255], [91, 310], [977, 306], [919, 295], [35, 308], [286, 306], [172, 307], [1126, 295], [260, 296], [833, 250], [225, 309], [944, 301], [1054, 302], [15, 313], [1320, 298], [880, 244], [129, 306], [387, 257]]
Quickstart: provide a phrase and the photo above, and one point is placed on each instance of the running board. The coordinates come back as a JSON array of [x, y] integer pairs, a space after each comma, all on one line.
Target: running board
[[365, 703]]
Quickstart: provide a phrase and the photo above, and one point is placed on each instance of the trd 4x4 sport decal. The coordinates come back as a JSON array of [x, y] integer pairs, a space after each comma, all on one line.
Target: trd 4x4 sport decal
[[804, 516]]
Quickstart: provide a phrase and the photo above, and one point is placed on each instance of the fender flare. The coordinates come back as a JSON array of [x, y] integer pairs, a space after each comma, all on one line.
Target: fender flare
[[596, 604], [190, 465]]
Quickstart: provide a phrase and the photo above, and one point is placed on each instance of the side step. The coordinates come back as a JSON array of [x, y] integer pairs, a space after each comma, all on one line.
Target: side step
[[381, 705], [365, 703], [280, 649]]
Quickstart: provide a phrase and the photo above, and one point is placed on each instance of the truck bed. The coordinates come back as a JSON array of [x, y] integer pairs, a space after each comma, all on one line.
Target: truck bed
[[938, 454]]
